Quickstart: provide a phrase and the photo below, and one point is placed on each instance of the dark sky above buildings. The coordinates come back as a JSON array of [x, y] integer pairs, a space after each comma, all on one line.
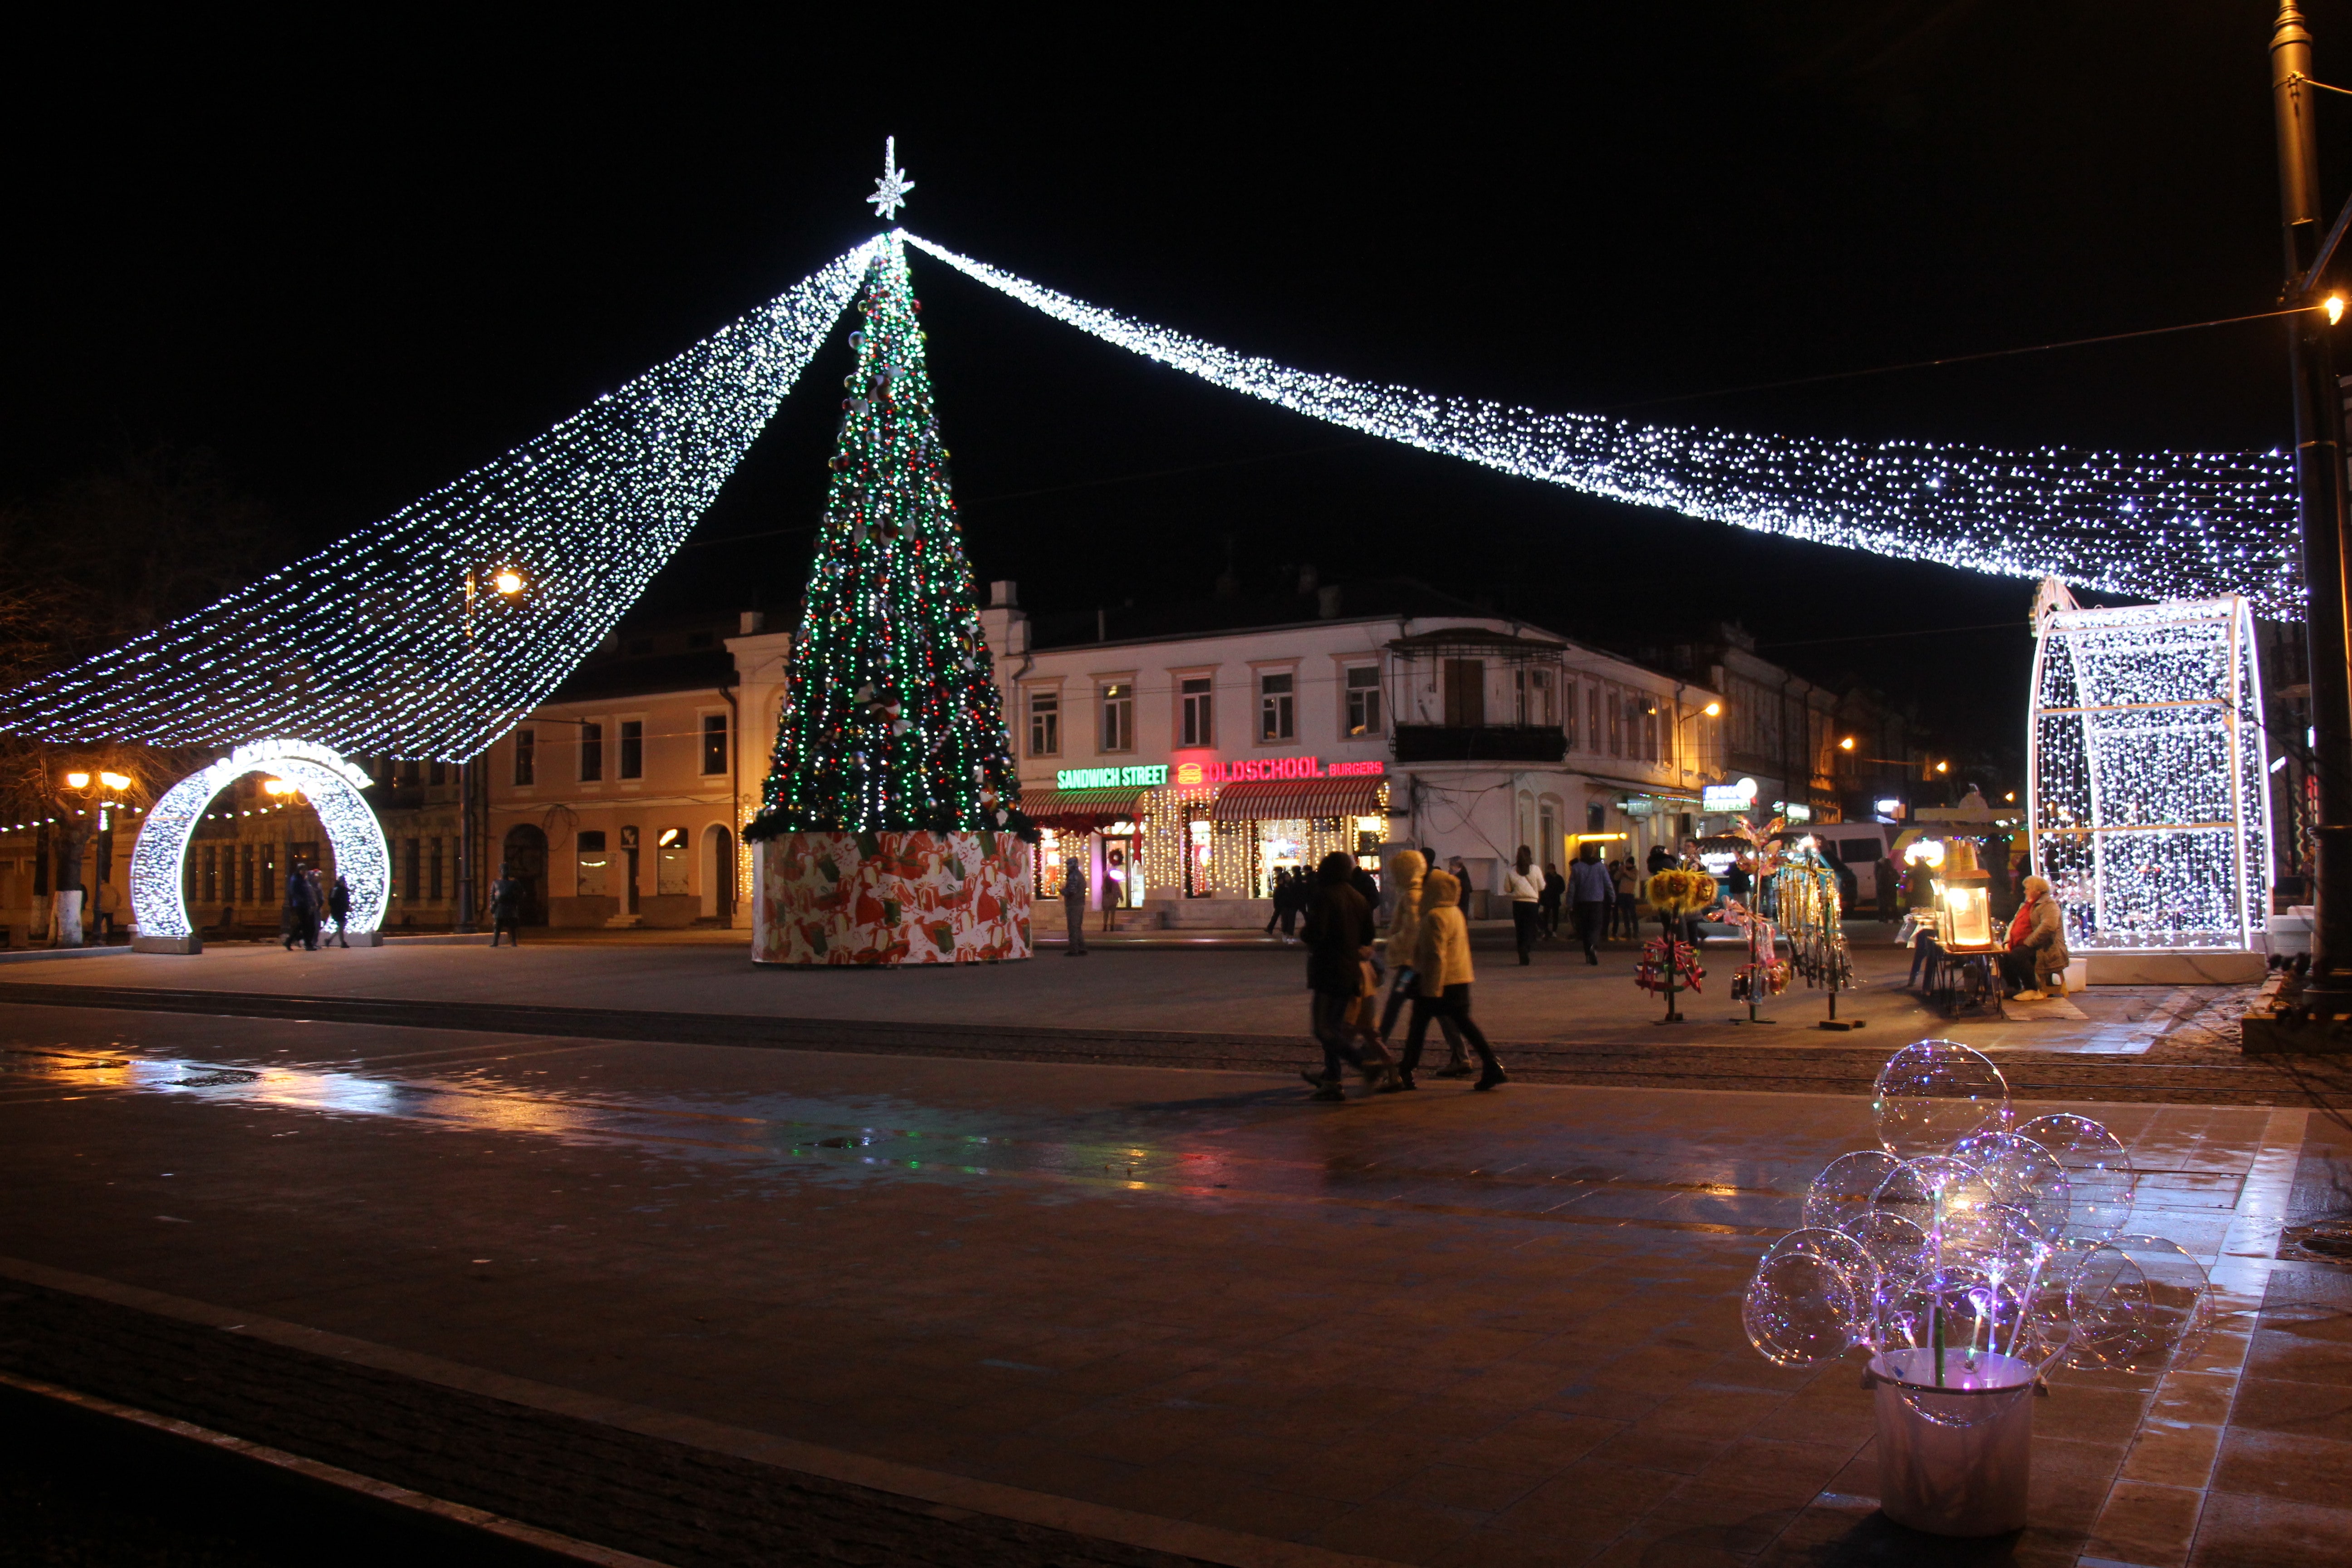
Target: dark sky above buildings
[[355, 265]]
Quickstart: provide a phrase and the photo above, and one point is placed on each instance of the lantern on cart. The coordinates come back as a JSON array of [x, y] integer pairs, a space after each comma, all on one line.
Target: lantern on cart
[[1964, 900]]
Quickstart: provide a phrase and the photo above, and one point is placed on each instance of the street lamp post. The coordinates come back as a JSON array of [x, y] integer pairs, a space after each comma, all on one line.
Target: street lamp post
[[2320, 479]]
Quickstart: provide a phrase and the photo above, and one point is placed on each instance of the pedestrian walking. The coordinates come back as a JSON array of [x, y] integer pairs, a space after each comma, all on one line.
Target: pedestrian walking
[[302, 910], [1525, 890], [1626, 881], [506, 907], [1661, 857], [338, 904], [1406, 871], [1883, 876], [1441, 984], [1338, 975], [1588, 890], [1460, 874], [1555, 893], [1073, 908]]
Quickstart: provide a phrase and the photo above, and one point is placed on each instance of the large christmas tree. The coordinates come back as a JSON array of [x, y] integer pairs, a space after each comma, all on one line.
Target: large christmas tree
[[891, 722]]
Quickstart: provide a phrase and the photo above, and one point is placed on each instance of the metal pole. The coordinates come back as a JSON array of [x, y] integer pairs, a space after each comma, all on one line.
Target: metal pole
[[2319, 467], [465, 846]]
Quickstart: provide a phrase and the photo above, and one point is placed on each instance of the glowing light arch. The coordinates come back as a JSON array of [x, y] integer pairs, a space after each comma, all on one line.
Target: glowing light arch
[[330, 783], [2150, 785]]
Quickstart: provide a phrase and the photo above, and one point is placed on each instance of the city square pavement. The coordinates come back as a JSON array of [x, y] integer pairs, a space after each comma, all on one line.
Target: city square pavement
[[1185, 1312], [1233, 983]]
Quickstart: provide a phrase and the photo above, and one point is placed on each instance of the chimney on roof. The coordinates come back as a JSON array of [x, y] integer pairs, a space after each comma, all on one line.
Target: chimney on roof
[[1327, 602], [1307, 579], [1003, 593], [751, 623]]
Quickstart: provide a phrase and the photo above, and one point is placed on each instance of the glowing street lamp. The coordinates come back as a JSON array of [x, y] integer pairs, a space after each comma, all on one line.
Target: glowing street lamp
[[114, 781], [77, 780], [1964, 900], [1712, 709], [509, 582]]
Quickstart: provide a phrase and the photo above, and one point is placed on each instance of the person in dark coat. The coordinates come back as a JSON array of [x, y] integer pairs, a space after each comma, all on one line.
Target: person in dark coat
[[338, 904], [1074, 907], [301, 909], [1339, 946], [1555, 890], [506, 908]]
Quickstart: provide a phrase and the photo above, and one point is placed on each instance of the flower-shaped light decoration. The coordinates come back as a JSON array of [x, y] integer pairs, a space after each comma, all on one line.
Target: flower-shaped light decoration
[[1967, 1253]]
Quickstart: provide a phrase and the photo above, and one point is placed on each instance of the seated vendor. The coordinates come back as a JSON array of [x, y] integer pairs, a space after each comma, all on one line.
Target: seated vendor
[[2037, 942]]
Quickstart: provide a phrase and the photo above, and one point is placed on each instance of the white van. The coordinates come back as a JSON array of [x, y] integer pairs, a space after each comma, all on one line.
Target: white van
[[1859, 845]]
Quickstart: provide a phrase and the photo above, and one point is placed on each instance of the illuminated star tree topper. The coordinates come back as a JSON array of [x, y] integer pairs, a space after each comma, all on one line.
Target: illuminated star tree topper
[[890, 190]]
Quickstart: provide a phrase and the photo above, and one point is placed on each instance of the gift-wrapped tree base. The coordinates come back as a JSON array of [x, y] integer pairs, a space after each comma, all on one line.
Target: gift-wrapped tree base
[[890, 898]]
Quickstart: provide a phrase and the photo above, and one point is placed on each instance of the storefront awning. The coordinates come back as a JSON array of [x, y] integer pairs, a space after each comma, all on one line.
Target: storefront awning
[[1081, 810], [1276, 799]]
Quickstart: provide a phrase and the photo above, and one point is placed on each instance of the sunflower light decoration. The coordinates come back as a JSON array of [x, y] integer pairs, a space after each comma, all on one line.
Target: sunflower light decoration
[[1968, 1254], [1670, 963]]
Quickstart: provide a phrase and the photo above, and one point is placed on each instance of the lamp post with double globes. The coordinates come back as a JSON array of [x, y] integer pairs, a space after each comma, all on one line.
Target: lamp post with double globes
[[89, 800]]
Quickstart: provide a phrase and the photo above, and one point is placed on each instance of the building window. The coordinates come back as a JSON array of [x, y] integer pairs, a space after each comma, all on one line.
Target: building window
[[714, 743], [1616, 729], [1532, 699], [633, 748], [1199, 715], [245, 860], [1465, 693], [592, 861], [1275, 716], [1568, 711], [1044, 724], [1364, 699], [434, 881], [591, 753], [1118, 717], [526, 750], [1650, 731], [437, 774], [673, 862], [411, 882], [212, 874]]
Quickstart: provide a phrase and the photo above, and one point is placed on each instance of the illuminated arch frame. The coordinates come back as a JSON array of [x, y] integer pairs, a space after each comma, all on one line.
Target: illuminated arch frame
[[2150, 782], [331, 786]]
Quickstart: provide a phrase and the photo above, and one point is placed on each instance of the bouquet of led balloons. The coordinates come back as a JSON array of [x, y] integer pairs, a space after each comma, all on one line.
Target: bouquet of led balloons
[[1970, 1252]]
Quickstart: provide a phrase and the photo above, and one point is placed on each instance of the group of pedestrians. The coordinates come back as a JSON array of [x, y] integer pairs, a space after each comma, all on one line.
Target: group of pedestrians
[[309, 904], [1428, 956]]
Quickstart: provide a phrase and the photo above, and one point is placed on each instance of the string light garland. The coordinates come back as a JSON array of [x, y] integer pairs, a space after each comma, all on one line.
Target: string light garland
[[2150, 785], [432, 634], [892, 721], [332, 785], [2155, 525]]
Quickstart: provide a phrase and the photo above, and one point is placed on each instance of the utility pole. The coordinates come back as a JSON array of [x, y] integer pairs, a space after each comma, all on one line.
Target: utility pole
[[2320, 478]]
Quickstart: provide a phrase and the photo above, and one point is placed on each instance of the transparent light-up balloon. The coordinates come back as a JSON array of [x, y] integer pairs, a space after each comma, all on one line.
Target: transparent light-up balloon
[[1846, 1186], [1970, 1257], [2099, 1177], [1933, 1093]]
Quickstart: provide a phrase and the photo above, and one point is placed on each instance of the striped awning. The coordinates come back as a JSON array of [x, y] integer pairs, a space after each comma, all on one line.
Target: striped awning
[[1081, 810], [1273, 799]]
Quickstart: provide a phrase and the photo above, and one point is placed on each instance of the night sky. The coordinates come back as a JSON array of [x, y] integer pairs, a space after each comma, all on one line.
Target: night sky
[[354, 267]]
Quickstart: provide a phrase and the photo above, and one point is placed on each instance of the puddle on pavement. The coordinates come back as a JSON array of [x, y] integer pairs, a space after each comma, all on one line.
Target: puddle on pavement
[[1552, 1175]]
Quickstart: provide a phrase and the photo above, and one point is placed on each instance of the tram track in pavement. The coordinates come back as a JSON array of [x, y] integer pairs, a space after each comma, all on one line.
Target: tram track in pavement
[[1632, 1060]]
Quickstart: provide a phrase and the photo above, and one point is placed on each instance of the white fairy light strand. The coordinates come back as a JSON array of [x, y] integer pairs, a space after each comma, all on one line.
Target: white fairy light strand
[[333, 787], [395, 640], [2160, 525]]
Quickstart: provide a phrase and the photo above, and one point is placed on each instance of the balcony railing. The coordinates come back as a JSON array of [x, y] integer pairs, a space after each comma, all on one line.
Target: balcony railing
[[1485, 743]]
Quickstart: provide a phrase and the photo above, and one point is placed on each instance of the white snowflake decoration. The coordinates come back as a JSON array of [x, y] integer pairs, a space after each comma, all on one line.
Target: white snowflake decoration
[[890, 190]]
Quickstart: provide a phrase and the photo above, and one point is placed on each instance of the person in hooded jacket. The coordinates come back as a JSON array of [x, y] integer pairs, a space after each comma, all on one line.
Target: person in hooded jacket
[[1338, 943], [1442, 978], [1407, 868]]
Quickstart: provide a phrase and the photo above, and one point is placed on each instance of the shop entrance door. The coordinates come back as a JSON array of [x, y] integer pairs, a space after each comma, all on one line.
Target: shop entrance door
[[1281, 846]]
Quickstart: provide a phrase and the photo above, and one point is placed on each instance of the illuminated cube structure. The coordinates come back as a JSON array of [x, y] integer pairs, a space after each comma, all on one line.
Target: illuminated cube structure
[[2149, 790]]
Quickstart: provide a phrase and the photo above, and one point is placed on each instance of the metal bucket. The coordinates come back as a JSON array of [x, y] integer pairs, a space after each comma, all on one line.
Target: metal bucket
[[1954, 1459]]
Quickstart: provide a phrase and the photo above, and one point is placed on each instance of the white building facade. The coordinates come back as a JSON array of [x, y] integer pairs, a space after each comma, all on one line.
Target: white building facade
[[1186, 771]]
